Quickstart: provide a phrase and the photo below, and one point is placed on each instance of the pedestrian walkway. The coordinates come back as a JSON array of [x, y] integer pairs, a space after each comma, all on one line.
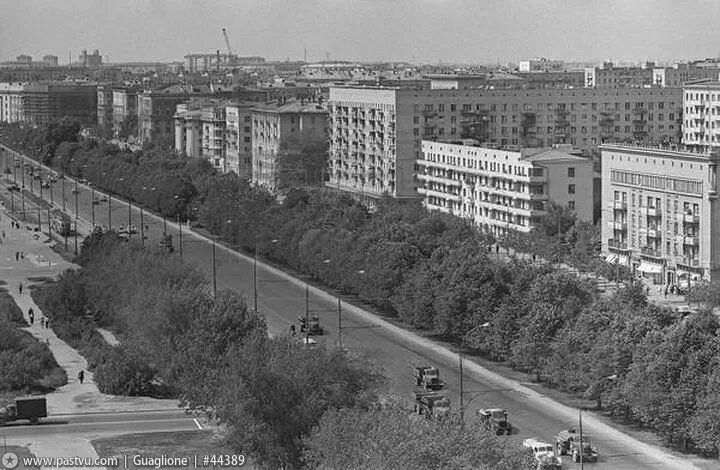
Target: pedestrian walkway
[[39, 261]]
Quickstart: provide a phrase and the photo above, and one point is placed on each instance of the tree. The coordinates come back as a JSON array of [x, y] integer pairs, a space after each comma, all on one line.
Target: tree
[[391, 438], [273, 391]]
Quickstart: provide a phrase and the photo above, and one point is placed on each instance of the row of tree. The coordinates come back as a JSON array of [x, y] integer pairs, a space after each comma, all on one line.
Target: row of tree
[[280, 400]]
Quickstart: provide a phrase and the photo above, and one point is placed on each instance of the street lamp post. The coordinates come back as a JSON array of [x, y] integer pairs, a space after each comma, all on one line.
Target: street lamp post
[[49, 228], [214, 270], [142, 227], [39, 214], [14, 170], [307, 315], [63, 192], [92, 205], [76, 197], [76, 236], [129, 218], [180, 235], [255, 292], [109, 210]]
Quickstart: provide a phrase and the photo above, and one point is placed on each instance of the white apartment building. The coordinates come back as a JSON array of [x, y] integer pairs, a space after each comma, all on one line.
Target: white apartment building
[[11, 102], [238, 141], [660, 212], [701, 115], [213, 135], [502, 190]]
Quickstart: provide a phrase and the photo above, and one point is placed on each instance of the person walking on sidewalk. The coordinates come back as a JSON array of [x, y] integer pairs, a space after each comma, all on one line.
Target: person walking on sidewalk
[[31, 315], [17, 256], [81, 376], [20, 288]]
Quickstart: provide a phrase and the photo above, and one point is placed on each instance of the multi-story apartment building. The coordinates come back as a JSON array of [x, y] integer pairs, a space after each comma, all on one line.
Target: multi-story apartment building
[[11, 102], [272, 126], [376, 133], [41, 103], [661, 212], [212, 120], [701, 117], [125, 111], [105, 106], [238, 141], [610, 76], [156, 109], [188, 131], [542, 65], [501, 190], [680, 74]]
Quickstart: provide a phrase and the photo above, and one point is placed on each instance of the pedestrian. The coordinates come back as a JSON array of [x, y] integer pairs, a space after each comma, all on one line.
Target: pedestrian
[[20, 288], [666, 291], [17, 256], [3, 233], [31, 314], [497, 249], [81, 376]]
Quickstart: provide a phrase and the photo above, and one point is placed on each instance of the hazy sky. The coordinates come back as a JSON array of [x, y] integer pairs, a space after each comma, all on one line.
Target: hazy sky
[[426, 30]]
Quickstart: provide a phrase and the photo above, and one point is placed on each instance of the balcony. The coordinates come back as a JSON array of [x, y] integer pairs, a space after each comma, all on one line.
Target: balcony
[[654, 233], [691, 241], [621, 226], [617, 245], [619, 205], [687, 261], [691, 219], [651, 253], [651, 211]]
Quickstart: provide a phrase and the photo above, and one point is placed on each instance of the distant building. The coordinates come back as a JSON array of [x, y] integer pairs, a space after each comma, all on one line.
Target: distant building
[[272, 125], [542, 65], [660, 212], [212, 119], [91, 61], [41, 103], [701, 119], [681, 74], [105, 106], [208, 62], [50, 60], [502, 190]]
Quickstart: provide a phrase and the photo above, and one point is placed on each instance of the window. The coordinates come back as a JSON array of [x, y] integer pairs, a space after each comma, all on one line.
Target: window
[[416, 120], [571, 205], [416, 131], [571, 172], [452, 108], [571, 189], [441, 108], [246, 139]]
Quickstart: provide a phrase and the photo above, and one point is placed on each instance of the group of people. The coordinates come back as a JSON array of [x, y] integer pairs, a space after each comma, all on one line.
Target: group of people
[[44, 321]]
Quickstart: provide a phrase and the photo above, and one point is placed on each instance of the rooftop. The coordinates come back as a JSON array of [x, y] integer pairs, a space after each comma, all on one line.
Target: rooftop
[[292, 107]]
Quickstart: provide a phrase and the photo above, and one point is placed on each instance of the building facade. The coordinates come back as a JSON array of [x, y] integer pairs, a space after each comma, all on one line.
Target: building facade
[[376, 133], [212, 119], [46, 102], [105, 106], [11, 102], [188, 131], [238, 142], [125, 111], [661, 213], [701, 118], [501, 190], [272, 127]]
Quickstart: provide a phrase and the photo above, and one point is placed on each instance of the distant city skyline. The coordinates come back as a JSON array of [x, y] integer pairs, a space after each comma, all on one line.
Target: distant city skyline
[[420, 31]]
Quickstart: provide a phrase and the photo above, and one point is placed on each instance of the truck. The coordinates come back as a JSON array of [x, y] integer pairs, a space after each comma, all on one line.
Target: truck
[[496, 419], [431, 404], [427, 377], [567, 442], [310, 326], [544, 454], [29, 408]]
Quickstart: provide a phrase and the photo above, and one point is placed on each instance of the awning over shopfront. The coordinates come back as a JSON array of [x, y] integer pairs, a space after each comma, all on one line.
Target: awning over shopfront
[[650, 268], [611, 258], [623, 260]]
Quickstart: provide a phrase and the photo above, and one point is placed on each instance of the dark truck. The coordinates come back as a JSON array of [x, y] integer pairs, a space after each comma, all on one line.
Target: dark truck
[[30, 408], [496, 419]]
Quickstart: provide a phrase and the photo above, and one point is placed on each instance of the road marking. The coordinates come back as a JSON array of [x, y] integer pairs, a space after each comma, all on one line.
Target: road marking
[[197, 423]]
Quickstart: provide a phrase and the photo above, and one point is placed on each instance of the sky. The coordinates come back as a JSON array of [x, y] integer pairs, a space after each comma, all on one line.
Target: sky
[[421, 31]]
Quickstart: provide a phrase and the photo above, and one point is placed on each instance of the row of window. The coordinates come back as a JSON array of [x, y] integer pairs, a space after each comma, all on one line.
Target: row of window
[[468, 107], [664, 183]]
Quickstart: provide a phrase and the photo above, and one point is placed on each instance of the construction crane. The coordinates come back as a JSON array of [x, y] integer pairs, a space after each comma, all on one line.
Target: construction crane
[[227, 42]]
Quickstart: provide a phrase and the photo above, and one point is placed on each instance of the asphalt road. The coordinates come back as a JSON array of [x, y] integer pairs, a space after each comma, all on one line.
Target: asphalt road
[[103, 423], [282, 302]]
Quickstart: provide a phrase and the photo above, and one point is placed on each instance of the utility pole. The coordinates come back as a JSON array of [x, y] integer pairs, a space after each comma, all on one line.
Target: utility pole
[[558, 240], [76, 234], [92, 204], [109, 210], [581, 440], [180, 235], [129, 217], [39, 213], [49, 228], [462, 390], [63, 192], [214, 270], [339, 312], [76, 197], [142, 227], [255, 291], [307, 315]]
